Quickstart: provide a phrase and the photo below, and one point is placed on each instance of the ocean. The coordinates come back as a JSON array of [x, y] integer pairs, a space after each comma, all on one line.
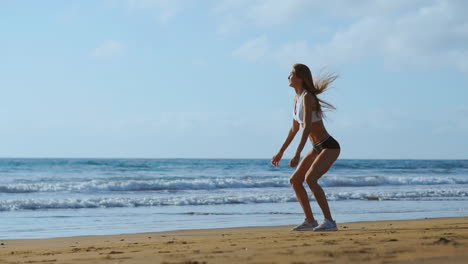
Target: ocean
[[44, 198]]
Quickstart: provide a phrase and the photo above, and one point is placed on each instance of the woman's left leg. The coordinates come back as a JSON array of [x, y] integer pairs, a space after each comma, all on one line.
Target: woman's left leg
[[297, 179]]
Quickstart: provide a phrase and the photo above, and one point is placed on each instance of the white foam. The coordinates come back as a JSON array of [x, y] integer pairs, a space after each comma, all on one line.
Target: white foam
[[210, 183], [232, 197]]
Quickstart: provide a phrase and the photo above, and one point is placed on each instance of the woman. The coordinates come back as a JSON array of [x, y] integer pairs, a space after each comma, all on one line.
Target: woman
[[308, 113]]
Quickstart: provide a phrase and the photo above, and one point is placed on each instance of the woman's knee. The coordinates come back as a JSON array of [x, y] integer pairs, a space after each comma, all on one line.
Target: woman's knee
[[296, 181], [312, 182]]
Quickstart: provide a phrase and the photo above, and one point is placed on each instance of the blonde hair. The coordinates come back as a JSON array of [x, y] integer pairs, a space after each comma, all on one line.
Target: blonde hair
[[320, 85]]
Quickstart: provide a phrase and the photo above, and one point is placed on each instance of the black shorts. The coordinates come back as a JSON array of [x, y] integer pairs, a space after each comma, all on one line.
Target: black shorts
[[329, 143]]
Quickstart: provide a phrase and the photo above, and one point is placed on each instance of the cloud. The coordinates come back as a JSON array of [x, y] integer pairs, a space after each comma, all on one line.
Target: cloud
[[108, 49], [147, 3], [253, 50], [234, 15], [271, 13], [417, 34], [165, 9]]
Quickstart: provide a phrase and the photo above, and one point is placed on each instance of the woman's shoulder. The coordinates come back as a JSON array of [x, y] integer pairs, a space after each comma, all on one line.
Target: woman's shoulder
[[310, 99]]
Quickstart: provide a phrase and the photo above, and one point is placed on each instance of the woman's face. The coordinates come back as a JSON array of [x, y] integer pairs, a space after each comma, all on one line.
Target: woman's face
[[294, 81]]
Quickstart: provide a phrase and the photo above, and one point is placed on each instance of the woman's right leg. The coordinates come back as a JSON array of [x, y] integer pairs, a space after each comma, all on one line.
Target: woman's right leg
[[297, 180], [320, 166]]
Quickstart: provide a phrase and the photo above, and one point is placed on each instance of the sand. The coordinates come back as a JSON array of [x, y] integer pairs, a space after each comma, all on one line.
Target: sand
[[436, 240]]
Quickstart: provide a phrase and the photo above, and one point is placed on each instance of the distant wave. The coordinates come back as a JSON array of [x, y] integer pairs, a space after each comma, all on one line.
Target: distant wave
[[403, 165], [207, 183], [113, 202], [408, 165], [362, 181]]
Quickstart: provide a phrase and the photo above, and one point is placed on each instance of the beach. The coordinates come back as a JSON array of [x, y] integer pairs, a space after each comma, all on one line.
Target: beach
[[229, 211], [432, 240]]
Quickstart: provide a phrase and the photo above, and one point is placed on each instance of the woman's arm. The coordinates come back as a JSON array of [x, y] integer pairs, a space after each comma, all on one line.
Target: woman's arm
[[292, 133]]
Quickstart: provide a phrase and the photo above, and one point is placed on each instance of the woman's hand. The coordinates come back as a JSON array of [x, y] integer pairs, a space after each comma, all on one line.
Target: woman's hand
[[276, 159], [294, 161]]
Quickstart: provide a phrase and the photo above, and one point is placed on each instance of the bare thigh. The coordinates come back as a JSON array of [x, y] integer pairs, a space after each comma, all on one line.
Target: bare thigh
[[321, 164], [301, 170]]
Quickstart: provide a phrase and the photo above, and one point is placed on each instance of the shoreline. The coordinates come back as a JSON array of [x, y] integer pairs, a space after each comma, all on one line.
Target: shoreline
[[429, 240]]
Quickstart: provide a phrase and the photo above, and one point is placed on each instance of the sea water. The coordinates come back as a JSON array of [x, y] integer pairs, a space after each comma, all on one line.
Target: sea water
[[43, 198]]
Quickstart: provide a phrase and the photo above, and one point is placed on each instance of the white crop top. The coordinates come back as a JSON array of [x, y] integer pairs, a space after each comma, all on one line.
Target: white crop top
[[298, 112]]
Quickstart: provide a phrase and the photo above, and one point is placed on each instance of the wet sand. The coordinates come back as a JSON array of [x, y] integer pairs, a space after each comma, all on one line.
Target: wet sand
[[436, 240]]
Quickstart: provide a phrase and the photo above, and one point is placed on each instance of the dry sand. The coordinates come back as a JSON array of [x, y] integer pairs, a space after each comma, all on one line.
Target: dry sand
[[438, 240]]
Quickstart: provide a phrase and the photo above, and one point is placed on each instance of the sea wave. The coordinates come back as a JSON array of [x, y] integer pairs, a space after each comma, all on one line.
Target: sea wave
[[210, 183], [235, 198]]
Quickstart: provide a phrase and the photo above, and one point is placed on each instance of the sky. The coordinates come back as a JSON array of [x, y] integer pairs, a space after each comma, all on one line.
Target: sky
[[208, 79]]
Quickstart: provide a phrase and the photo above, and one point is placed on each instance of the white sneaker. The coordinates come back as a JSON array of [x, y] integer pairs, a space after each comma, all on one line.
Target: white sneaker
[[327, 225], [306, 226]]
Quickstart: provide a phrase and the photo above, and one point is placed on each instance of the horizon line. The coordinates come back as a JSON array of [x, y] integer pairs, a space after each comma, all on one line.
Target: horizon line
[[208, 158]]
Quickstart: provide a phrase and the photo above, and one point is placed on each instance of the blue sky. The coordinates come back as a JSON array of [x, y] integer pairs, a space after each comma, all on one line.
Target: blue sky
[[208, 79]]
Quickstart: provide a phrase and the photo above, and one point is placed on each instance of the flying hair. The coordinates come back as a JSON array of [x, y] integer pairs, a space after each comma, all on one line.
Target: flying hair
[[317, 86]]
